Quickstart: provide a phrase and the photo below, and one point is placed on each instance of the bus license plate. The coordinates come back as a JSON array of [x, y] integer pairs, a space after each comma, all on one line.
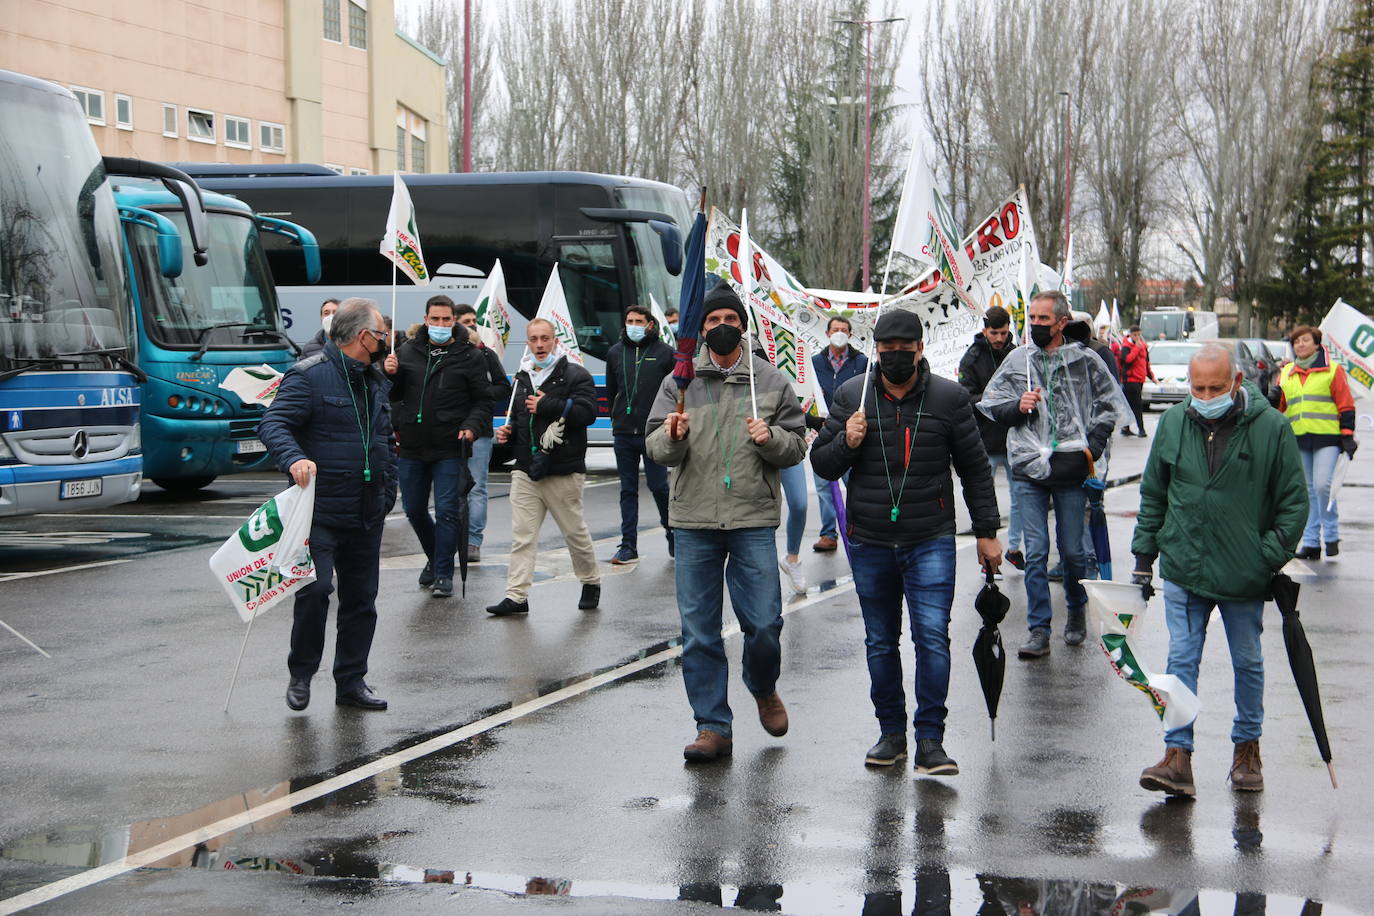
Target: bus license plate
[[74, 488], [249, 446]]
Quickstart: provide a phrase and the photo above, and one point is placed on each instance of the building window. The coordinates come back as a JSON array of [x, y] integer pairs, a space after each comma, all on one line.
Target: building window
[[410, 131], [124, 112], [169, 120], [417, 154], [237, 132], [360, 171], [357, 25], [92, 102], [336, 169], [400, 148], [271, 137], [331, 21], [200, 125]]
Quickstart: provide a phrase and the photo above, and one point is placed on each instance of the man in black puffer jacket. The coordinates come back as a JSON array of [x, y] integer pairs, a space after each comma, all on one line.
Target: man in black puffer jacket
[[899, 449], [331, 420], [555, 402], [441, 391]]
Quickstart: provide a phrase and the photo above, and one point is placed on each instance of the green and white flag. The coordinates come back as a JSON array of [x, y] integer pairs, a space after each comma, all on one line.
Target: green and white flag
[[665, 333], [925, 230], [554, 309], [493, 319], [401, 244], [253, 384], [268, 558]]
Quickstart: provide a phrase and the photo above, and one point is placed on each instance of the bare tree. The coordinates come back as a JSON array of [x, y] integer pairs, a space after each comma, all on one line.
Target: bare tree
[[951, 69], [535, 115], [439, 27]]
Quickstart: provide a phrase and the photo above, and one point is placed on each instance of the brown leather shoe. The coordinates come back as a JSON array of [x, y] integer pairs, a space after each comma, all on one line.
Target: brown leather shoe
[[772, 714], [1173, 774], [1246, 767], [825, 545], [708, 746]]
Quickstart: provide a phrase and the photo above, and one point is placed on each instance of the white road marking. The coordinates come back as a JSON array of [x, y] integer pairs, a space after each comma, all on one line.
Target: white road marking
[[31, 644], [52, 572]]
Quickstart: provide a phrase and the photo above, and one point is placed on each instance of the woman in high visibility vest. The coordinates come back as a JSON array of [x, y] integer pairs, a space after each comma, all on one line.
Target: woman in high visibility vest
[[1314, 395]]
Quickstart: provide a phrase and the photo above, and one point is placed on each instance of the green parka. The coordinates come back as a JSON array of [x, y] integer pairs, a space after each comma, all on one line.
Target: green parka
[[1222, 536]]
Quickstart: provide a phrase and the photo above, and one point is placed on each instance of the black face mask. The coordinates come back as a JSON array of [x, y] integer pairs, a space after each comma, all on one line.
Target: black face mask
[[723, 339], [1042, 334], [897, 365], [379, 354]]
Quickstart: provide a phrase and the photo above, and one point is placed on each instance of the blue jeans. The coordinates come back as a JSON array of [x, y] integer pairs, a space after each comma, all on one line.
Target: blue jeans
[[438, 535], [756, 595], [794, 489], [478, 466], [1317, 466], [1013, 518], [829, 520], [1187, 615], [629, 452], [924, 575], [1033, 504]]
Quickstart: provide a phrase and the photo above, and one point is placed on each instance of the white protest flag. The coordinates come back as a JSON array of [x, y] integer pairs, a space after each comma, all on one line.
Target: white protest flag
[[253, 384], [1066, 280], [1349, 338], [925, 229], [665, 333], [554, 309], [1104, 317], [401, 243], [1116, 320], [745, 259], [268, 558], [493, 319]]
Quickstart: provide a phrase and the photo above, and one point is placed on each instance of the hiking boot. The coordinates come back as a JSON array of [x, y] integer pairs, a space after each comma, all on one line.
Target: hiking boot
[[427, 576], [1055, 573], [772, 714], [474, 553], [708, 746], [1075, 628], [794, 575], [1016, 558], [1245, 768], [1333, 548], [1173, 774], [591, 597], [625, 556], [1038, 646], [1309, 553], [825, 544], [890, 748], [931, 759], [443, 587], [508, 608]]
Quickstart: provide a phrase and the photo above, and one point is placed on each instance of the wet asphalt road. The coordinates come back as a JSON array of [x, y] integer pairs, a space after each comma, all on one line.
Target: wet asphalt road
[[501, 766]]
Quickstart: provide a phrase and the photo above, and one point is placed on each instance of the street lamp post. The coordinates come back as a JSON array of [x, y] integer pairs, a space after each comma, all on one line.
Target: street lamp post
[[1068, 172]]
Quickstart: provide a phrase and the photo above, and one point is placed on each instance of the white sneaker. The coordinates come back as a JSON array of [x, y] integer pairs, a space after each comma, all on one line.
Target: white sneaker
[[794, 575]]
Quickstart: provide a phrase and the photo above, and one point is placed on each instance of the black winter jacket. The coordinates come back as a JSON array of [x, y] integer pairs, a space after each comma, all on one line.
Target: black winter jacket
[[937, 420], [500, 387], [439, 391], [634, 373], [567, 383], [314, 344], [314, 416], [980, 361]]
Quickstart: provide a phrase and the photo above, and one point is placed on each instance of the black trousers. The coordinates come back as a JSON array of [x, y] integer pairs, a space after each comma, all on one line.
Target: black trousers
[[355, 554], [1133, 390]]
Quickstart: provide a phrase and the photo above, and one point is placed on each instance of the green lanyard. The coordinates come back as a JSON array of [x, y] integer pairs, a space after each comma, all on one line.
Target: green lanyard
[[625, 369], [430, 365], [534, 446], [882, 447], [364, 433], [720, 430]]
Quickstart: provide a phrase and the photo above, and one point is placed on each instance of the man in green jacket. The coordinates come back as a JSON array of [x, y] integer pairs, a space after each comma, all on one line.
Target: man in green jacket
[[1223, 501], [723, 506]]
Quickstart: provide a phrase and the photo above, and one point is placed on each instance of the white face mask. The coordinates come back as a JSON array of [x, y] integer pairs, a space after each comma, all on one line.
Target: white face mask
[[326, 321], [839, 340]]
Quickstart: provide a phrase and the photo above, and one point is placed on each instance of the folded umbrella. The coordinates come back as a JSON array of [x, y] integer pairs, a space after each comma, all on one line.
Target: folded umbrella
[[989, 658], [690, 302], [1097, 526], [1285, 592], [464, 488], [841, 517]]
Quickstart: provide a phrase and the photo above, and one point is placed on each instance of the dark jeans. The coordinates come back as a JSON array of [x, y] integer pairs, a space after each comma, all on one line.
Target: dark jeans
[[629, 451], [1132, 390], [354, 553], [924, 575], [439, 535]]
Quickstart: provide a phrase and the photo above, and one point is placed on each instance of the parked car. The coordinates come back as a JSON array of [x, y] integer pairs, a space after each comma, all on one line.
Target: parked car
[[1282, 350], [1266, 361], [1169, 362]]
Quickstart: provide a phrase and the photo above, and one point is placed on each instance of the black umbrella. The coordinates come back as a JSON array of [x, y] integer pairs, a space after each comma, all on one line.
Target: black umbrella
[[464, 488], [988, 655], [1097, 526], [1285, 592]]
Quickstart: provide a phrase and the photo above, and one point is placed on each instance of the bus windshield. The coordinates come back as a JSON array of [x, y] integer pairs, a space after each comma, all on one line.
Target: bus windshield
[[1162, 325], [651, 275], [223, 303], [62, 286]]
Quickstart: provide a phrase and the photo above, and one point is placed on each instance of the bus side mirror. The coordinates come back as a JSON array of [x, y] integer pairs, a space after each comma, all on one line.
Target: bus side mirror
[[299, 235], [671, 241], [181, 185], [169, 261]]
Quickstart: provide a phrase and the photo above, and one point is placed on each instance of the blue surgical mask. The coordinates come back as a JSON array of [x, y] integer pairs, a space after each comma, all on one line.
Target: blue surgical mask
[[673, 327], [1212, 408], [543, 363], [635, 332], [439, 335]]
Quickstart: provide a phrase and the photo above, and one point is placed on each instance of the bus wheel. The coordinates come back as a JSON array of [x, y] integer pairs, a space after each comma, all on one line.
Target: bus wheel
[[183, 484]]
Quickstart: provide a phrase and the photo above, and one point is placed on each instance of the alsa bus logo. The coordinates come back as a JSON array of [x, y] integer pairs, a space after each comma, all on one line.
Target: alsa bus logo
[[117, 397]]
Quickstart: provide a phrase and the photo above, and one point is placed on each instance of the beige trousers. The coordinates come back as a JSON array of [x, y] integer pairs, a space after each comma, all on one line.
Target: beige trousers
[[558, 495]]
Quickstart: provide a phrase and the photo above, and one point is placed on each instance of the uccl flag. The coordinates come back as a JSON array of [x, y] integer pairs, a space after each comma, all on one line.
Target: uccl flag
[[554, 309], [925, 229], [1349, 337], [493, 320], [268, 558], [402, 240]]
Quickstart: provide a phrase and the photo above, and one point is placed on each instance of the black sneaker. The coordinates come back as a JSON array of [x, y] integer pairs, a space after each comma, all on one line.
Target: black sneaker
[[1038, 646], [509, 607], [1016, 558], [591, 597], [931, 759], [427, 576], [890, 748], [1333, 548], [1309, 553], [1075, 628], [443, 587]]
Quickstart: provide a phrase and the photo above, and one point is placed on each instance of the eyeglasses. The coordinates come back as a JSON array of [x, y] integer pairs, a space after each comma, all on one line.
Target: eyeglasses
[[376, 334]]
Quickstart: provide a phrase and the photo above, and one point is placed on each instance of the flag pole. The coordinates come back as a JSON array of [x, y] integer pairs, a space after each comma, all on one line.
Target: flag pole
[[234, 679], [392, 342], [749, 352]]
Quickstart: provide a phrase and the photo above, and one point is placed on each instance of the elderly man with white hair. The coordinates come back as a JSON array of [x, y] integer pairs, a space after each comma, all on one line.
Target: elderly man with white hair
[[1222, 504]]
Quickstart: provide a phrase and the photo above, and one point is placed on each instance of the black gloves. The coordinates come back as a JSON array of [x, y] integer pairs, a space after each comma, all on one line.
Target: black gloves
[[1143, 576], [1349, 445]]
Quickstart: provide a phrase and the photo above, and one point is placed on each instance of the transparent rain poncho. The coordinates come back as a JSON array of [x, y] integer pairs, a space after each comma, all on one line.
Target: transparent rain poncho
[[1081, 403]]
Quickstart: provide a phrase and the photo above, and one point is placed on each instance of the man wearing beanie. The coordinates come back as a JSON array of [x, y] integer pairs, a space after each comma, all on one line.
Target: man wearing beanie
[[724, 509]]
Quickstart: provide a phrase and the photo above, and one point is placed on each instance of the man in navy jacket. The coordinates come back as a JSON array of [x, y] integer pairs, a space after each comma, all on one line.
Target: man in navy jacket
[[835, 365], [331, 420]]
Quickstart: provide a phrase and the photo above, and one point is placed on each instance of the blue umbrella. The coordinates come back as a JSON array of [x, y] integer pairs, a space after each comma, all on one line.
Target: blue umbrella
[[1097, 526], [690, 302]]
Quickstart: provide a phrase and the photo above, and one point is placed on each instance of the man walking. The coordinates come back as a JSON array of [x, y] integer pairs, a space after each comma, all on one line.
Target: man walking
[[316, 343], [440, 388], [900, 448], [835, 365], [479, 465], [1223, 502], [982, 359], [1135, 369], [725, 510], [555, 402], [635, 369], [1060, 405], [331, 420]]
